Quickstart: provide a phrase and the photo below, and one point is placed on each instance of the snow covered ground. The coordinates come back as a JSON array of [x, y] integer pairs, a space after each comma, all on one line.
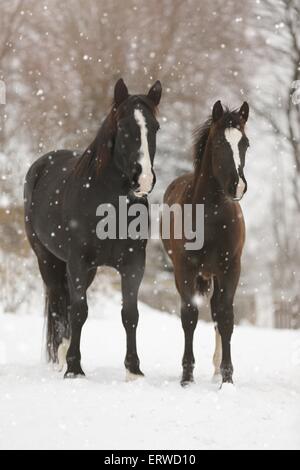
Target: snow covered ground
[[39, 410]]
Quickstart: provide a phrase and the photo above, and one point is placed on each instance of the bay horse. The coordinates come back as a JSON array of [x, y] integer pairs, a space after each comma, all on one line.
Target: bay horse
[[62, 194], [218, 182]]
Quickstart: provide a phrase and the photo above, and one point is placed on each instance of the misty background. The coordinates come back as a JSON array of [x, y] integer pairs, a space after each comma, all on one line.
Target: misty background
[[59, 63]]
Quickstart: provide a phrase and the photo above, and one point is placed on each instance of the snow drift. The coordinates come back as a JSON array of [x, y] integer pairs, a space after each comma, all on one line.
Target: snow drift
[[39, 410]]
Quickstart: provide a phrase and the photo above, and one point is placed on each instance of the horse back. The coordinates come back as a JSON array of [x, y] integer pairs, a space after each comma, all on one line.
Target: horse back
[[44, 167], [44, 175]]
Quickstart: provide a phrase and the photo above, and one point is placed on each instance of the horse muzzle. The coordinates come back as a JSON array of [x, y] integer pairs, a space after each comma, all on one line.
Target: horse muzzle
[[145, 185], [237, 189]]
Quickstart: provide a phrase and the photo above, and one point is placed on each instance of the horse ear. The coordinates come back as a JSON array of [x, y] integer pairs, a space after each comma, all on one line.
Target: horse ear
[[121, 92], [218, 111], [155, 93], [244, 111]]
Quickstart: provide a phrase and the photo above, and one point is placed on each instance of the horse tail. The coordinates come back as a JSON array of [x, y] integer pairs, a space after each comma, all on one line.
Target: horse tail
[[57, 312], [203, 285]]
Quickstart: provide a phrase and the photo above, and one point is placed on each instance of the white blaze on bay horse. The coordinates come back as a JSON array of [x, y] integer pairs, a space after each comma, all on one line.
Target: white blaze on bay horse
[[233, 137], [145, 180]]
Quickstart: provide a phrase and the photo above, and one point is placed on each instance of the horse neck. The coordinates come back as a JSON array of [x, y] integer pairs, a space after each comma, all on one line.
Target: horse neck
[[109, 177], [97, 159], [205, 188]]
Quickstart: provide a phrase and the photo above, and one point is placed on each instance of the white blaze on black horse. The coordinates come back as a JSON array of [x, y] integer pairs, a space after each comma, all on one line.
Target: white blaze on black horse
[[218, 182], [62, 194], [146, 177]]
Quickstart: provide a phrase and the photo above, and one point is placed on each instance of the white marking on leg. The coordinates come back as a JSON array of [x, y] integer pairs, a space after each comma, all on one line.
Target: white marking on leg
[[233, 137], [218, 354], [130, 377], [198, 301], [62, 353], [146, 177]]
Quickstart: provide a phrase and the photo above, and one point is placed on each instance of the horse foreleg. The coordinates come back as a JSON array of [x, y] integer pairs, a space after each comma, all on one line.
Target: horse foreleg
[[185, 283], [131, 281], [189, 319], [78, 282], [225, 319]]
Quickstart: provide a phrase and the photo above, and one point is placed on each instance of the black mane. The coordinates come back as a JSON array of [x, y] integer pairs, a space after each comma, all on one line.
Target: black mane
[[99, 152], [231, 118]]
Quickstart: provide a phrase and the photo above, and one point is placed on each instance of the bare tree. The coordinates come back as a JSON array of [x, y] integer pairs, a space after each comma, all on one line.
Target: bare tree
[[11, 19], [61, 60], [277, 26]]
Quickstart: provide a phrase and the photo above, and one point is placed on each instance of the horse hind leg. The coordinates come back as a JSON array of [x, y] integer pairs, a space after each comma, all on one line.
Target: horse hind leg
[[53, 272], [222, 309], [217, 358], [187, 289], [63, 323], [79, 276], [62, 353]]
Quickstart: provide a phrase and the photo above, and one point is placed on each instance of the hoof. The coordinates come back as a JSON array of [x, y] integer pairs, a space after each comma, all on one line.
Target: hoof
[[187, 376], [227, 382], [132, 377], [216, 379], [227, 374], [227, 389], [72, 375], [187, 383], [133, 368]]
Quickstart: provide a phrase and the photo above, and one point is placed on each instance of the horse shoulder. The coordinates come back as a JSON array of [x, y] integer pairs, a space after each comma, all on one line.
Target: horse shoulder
[[178, 189]]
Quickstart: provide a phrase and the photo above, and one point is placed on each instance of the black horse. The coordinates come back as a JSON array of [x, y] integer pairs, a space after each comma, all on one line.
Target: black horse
[[62, 194]]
